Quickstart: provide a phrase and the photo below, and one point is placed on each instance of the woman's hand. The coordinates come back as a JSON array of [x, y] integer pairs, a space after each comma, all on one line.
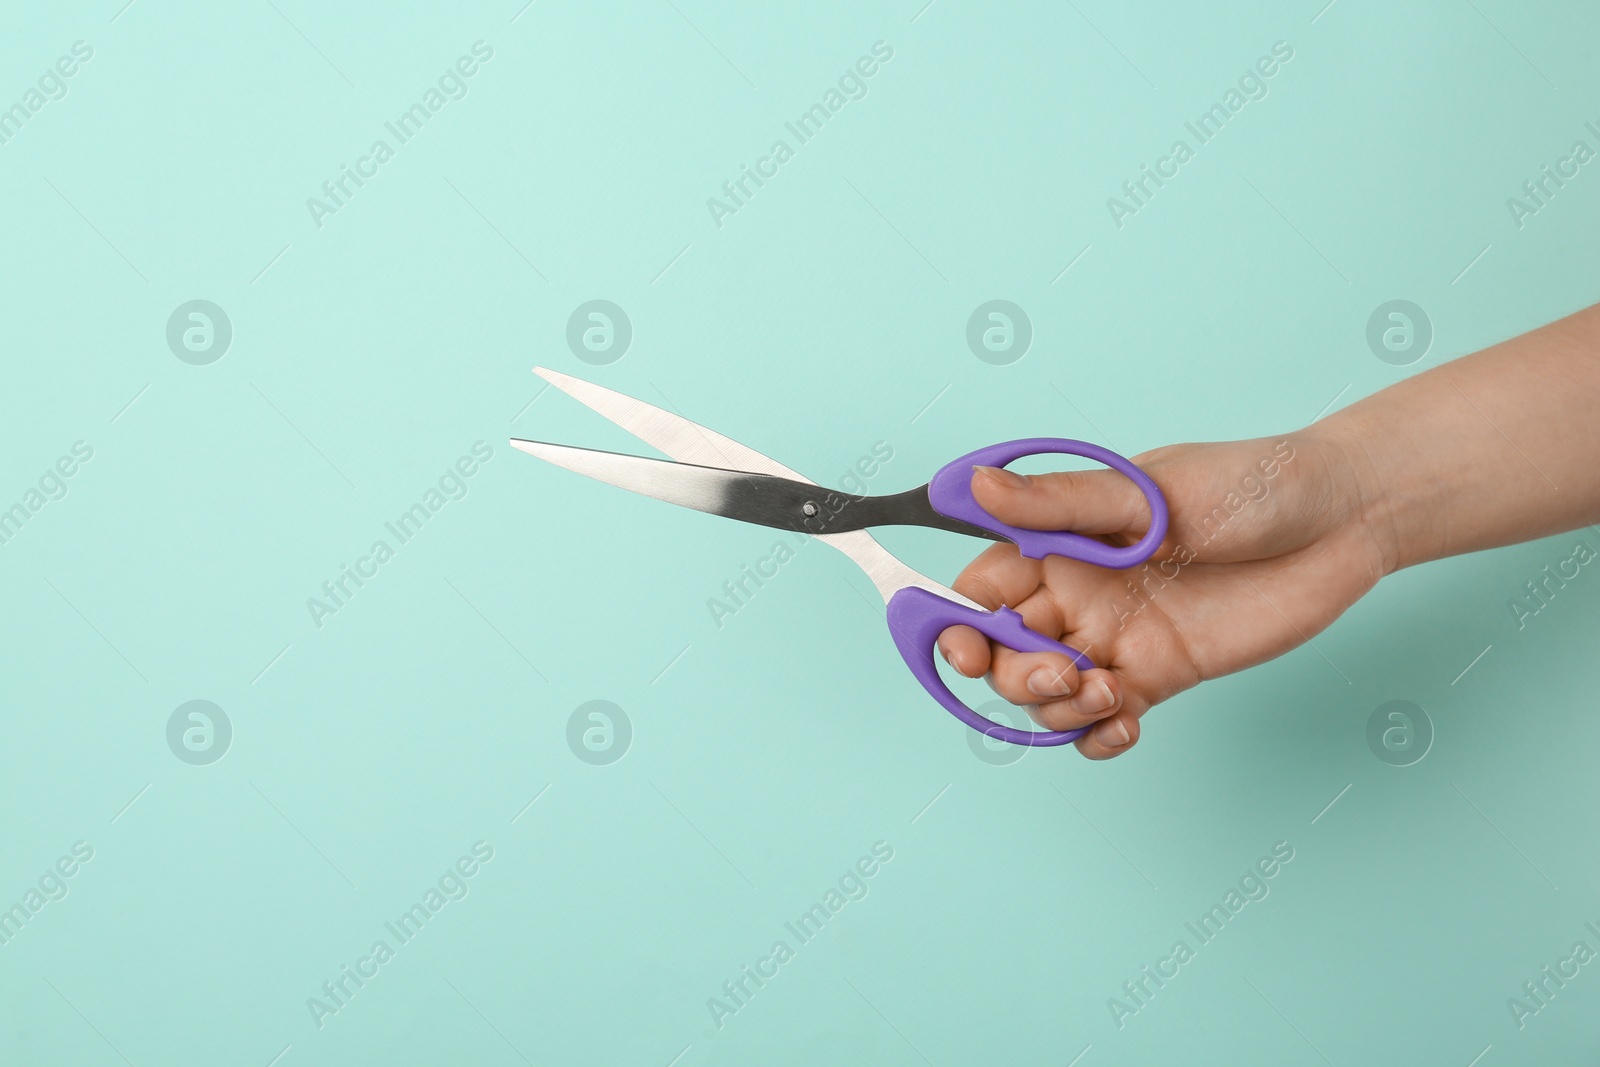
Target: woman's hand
[[1270, 540]]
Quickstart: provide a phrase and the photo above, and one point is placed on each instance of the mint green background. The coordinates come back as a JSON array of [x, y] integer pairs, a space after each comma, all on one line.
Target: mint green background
[[423, 717]]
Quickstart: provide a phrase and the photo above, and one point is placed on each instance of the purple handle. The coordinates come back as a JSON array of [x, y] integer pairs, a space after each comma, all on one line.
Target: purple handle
[[917, 617], [950, 493]]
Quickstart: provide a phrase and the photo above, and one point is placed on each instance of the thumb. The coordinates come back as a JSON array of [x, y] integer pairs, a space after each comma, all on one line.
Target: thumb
[[1087, 502]]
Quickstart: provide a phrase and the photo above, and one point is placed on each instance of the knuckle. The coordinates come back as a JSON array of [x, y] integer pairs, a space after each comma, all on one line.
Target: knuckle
[[1059, 715], [976, 584], [1016, 693]]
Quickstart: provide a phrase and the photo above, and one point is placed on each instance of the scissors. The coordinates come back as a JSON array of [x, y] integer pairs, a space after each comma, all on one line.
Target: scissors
[[712, 473]]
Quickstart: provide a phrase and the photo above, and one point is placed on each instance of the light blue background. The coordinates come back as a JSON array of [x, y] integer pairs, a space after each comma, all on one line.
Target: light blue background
[[769, 754]]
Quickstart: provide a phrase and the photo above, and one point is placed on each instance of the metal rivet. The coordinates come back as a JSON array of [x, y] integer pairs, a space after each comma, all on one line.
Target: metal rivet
[[809, 508]]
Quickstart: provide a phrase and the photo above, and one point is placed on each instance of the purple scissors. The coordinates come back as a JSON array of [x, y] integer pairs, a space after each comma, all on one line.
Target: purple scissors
[[711, 473]]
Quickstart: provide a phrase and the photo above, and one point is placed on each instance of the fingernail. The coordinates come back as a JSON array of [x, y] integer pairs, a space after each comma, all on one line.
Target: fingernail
[[1111, 733], [1001, 476], [1096, 697], [1047, 682]]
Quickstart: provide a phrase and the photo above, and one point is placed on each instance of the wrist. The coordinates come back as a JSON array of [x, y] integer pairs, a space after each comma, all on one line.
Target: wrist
[[1369, 508]]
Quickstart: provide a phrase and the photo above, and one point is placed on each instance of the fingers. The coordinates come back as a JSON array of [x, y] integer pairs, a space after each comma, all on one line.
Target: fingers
[[1097, 696], [1094, 698], [1032, 677], [1111, 736], [1058, 696], [966, 650], [1088, 502], [1000, 575], [974, 655], [1048, 684]]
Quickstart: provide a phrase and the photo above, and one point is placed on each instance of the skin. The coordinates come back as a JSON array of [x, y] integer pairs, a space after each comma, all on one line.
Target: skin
[[1488, 450]]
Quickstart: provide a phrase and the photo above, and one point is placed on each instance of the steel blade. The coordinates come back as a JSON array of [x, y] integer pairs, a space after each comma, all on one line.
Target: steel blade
[[689, 442], [762, 499], [684, 441], [756, 498]]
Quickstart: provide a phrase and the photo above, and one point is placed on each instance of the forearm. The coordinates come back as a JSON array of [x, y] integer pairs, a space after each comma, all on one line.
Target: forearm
[[1494, 448]]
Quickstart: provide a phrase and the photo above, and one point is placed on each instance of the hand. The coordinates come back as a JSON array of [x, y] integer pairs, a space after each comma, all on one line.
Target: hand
[[1269, 541]]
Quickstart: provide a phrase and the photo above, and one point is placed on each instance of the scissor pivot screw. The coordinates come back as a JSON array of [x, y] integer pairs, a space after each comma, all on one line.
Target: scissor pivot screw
[[809, 508]]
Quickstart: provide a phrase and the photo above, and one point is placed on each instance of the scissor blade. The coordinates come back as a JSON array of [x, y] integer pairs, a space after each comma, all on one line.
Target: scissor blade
[[684, 441], [781, 503], [757, 498], [689, 442]]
